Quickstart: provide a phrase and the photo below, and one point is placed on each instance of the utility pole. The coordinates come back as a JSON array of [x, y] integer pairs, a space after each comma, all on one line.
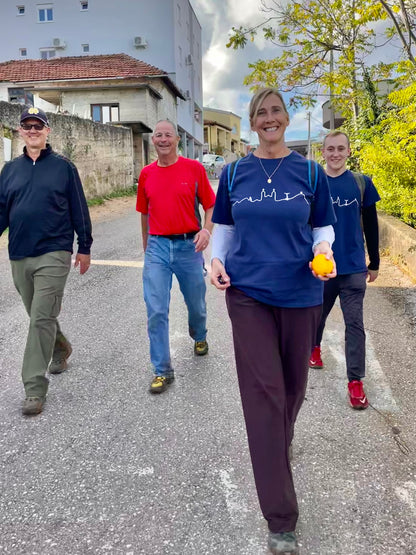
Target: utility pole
[[308, 116], [331, 92]]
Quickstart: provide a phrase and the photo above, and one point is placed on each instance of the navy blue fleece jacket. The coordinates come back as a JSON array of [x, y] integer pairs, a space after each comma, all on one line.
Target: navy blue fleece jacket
[[43, 204]]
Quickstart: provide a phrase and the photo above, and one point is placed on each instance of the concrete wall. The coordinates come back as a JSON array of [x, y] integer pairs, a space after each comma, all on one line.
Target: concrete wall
[[170, 28], [399, 240], [103, 154], [134, 103]]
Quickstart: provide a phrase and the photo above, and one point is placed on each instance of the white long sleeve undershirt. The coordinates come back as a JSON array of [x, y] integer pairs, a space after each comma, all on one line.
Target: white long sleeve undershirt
[[224, 234]]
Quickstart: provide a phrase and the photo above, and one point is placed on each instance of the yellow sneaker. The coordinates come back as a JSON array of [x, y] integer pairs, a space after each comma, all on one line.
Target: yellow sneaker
[[160, 383], [201, 348]]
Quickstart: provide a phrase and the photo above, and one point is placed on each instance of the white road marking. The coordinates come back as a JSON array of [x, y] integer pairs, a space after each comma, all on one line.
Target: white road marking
[[376, 384], [407, 494], [235, 504], [125, 263]]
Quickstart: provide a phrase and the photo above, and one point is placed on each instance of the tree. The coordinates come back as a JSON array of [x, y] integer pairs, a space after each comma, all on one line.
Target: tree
[[323, 46], [403, 16], [387, 151]]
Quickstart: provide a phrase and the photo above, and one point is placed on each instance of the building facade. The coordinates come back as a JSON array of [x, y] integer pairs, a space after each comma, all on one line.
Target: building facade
[[163, 33], [116, 89], [222, 134]]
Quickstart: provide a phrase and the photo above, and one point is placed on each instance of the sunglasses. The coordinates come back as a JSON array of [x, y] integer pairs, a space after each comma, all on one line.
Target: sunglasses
[[28, 126]]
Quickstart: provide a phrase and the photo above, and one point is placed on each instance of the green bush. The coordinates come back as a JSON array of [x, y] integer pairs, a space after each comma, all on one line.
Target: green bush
[[387, 152]]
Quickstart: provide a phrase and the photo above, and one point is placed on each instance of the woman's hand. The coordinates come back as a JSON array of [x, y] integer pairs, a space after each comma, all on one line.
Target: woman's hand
[[219, 276], [324, 248]]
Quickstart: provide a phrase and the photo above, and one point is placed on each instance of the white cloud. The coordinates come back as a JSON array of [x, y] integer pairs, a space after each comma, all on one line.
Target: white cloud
[[224, 69]]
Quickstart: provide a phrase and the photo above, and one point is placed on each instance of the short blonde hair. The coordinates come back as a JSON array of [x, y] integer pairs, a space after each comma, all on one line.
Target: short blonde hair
[[258, 98], [336, 134]]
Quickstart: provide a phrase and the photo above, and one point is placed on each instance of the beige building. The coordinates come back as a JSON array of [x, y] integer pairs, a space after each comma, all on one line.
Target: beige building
[[222, 134], [115, 89]]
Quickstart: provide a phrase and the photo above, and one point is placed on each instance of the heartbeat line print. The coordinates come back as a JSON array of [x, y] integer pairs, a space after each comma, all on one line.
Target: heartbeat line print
[[273, 196], [345, 203]]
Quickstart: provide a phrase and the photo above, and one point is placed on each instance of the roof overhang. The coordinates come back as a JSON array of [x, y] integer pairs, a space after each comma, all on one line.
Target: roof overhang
[[138, 127], [51, 91]]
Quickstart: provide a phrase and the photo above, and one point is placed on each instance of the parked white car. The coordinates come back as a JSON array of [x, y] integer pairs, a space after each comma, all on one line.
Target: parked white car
[[213, 162]]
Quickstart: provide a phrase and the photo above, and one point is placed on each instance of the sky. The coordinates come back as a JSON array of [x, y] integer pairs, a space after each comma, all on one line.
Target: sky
[[224, 69]]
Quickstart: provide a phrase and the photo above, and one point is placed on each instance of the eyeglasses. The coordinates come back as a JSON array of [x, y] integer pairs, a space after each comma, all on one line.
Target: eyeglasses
[[28, 126]]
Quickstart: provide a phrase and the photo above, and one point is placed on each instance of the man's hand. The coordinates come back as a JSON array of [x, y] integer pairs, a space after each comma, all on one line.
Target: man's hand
[[201, 239], [83, 261], [372, 275]]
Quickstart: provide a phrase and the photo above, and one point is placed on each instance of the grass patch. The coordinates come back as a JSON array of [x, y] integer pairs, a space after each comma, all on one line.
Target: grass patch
[[131, 191]]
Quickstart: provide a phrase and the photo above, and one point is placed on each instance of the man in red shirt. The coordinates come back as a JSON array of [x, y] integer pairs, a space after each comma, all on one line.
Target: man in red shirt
[[169, 194]]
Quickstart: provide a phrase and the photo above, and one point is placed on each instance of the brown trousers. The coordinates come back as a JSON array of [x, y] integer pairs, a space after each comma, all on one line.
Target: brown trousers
[[272, 347]]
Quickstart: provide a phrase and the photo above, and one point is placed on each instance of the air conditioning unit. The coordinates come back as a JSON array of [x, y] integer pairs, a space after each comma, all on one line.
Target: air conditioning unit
[[188, 60], [58, 43], [140, 42]]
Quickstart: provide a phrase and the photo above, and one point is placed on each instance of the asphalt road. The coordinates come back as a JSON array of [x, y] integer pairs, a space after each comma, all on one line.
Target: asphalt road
[[109, 469]]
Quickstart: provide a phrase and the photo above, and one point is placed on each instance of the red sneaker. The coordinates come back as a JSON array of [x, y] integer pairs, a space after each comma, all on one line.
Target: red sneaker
[[315, 361], [356, 395]]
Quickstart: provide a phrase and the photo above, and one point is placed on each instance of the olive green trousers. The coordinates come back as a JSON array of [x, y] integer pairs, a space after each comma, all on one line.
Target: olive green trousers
[[40, 282]]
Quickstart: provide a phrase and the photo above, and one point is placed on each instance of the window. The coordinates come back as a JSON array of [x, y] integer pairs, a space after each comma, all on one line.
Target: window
[[45, 13], [23, 52], [180, 55], [105, 113], [20, 10], [21, 96], [46, 53], [85, 47], [84, 5]]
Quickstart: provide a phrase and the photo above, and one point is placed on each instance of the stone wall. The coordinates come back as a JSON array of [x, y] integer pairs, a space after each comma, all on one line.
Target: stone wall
[[399, 241], [103, 154]]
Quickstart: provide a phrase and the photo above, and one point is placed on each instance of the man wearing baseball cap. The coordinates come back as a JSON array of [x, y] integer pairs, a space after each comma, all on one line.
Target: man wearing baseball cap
[[42, 203]]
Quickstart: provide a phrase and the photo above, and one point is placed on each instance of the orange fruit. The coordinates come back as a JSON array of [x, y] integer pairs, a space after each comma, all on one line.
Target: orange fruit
[[321, 265]]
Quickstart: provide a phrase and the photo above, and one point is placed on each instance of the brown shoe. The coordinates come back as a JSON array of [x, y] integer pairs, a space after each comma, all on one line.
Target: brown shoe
[[59, 359], [33, 405]]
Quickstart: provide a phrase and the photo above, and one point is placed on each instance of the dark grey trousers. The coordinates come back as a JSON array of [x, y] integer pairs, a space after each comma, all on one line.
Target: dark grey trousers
[[272, 348], [40, 282], [351, 290]]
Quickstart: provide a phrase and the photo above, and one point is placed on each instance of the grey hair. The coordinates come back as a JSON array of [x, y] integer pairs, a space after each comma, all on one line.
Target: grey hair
[[174, 126]]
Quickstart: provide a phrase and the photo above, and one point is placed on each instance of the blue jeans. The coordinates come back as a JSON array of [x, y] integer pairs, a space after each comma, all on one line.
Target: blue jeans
[[163, 258]]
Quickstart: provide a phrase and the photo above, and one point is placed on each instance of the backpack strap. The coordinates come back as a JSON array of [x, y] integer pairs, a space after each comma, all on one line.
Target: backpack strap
[[232, 168], [360, 180], [312, 175], [313, 182]]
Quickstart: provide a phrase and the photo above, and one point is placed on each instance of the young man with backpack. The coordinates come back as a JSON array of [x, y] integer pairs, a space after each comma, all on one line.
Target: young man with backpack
[[354, 199]]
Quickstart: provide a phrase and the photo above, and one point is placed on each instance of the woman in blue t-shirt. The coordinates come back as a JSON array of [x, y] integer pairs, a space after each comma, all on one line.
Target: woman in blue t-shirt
[[270, 222]]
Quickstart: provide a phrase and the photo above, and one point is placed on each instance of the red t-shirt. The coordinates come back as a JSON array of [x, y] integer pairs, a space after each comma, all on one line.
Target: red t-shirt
[[171, 196]]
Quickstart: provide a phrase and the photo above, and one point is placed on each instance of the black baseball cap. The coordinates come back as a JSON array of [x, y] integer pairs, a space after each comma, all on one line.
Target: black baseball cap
[[34, 113]]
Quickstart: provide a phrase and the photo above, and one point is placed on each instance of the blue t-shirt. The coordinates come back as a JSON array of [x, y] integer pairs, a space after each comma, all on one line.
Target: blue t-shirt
[[348, 246], [269, 258]]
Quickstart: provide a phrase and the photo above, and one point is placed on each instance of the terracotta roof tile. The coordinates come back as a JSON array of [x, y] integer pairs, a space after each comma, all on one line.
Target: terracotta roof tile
[[77, 67]]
